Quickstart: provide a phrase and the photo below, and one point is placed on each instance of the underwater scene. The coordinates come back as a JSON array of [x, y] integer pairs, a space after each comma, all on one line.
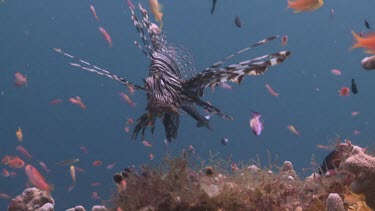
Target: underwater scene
[[187, 105]]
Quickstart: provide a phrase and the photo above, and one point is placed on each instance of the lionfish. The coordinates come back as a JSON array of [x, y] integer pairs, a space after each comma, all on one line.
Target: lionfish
[[169, 93]]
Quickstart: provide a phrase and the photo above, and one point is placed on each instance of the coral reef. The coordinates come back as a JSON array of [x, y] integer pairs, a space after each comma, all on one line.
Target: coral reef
[[363, 167], [186, 183], [32, 199], [334, 203], [178, 185]]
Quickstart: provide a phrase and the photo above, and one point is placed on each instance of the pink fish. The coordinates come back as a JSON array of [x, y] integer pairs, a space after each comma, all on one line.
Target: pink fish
[[127, 99], [44, 167], [20, 80], [255, 123], [146, 143], [110, 166], [77, 100], [355, 113], [106, 36], [23, 151], [271, 91], [55, 102], [92, 8], [336, 72]]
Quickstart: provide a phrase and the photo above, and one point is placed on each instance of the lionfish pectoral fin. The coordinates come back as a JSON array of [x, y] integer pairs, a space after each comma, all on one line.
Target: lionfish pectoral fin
[[235, 72]]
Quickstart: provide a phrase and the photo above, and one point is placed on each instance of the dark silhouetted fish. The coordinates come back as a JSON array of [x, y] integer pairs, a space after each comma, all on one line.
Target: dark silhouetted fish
[[331, 162], [237, 21], [354, 87], [213, 6], [367, 24], [224, 141]]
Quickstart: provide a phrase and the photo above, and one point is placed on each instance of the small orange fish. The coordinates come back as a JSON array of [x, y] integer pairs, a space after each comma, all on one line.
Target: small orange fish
[[106, 36], [44, 167], [97, 163], [20, 80], [151, 156], [73, 173], [367, 41], [96, 184], [146, 143], [126, 129], [19, 134], [13, 161], [336, 72], [305, 5], [110, 166], [156, 10], [92, 8], [95, 195], [4, 196], [127, 99], [23, 151], [36, 178], [344, 91], [293, 130], [55, 102], [5, 173], [77, 100], [271, 91], [355, 113]]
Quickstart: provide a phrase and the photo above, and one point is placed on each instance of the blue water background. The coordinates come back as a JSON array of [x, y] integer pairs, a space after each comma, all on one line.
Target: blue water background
[[52, 133]]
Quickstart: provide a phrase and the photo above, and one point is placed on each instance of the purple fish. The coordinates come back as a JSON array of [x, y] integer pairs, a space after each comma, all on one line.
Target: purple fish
[[255, 124]]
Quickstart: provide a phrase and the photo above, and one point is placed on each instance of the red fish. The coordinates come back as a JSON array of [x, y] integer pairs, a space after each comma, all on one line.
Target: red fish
[[293, 130], [97, 163], [13, 161], [37, 179], [106, 36], [23, 151], [344, 91], [77, 100], [55, 102], [126, 129], [20, 80], [92, 8], [129, 121], [271, 91]]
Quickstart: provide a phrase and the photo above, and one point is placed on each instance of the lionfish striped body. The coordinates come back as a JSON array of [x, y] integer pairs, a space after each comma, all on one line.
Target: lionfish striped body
[[168, 93]]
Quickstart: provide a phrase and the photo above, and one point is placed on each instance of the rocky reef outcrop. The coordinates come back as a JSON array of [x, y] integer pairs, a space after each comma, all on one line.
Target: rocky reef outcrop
[[32, 199]]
